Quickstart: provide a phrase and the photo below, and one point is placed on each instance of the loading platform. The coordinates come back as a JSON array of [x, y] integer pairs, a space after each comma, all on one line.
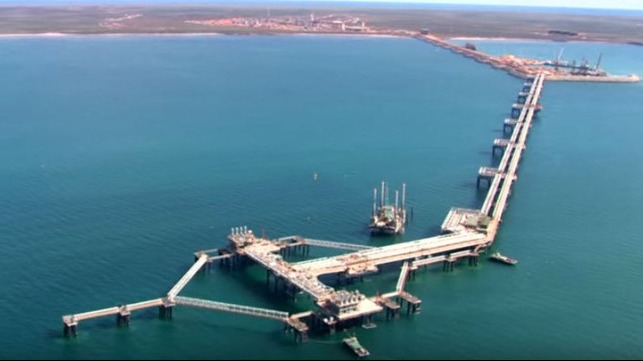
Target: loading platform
[[467, 232]]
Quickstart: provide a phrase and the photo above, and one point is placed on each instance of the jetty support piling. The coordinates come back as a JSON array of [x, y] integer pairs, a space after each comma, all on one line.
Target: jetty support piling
[[499, 144], [165, 311]]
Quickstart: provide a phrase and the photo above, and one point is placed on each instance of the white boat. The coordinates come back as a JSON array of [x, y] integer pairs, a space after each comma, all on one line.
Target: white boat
[[504, 259]]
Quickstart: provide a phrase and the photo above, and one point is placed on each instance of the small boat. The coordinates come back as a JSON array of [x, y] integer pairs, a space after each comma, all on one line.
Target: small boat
[[354, 345], [504, 259]]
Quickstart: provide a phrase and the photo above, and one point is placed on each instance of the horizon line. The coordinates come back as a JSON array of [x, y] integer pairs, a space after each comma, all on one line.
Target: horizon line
[[360, 3], [457, 5]]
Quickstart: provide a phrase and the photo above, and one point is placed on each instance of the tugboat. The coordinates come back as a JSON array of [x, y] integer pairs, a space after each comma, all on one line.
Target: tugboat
[[355, 346], [504, 259], [388, 218]]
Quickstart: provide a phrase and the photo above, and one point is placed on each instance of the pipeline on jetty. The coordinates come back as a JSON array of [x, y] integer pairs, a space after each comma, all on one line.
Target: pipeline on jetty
[[466, 233]]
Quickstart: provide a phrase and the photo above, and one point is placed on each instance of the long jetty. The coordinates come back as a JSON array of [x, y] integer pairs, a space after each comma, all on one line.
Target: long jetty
[[523, 68], [502, 178], [466, 234], [498, 194]]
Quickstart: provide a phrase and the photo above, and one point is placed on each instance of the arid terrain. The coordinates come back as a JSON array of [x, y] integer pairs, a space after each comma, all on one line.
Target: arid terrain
[[297, 19]]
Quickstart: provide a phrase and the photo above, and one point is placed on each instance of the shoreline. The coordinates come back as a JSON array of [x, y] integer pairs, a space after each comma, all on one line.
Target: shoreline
[[383, 34], [63, 35], [187, 34], [501, 39], [477, 38]]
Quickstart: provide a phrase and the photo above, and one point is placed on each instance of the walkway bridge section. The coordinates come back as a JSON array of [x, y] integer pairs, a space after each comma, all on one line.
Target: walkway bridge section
[[404, 273], [71, 320], [203, 258], [233, 308], [335, 245]]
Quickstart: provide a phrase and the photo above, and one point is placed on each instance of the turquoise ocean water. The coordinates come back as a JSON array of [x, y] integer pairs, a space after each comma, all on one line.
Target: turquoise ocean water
[[123, 155]]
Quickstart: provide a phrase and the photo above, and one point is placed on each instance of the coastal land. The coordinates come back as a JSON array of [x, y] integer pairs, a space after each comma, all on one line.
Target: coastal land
[[296, 18], [431, 25]]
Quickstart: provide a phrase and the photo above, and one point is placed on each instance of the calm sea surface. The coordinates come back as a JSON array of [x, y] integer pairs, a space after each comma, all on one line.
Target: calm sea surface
[[120, 156]]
